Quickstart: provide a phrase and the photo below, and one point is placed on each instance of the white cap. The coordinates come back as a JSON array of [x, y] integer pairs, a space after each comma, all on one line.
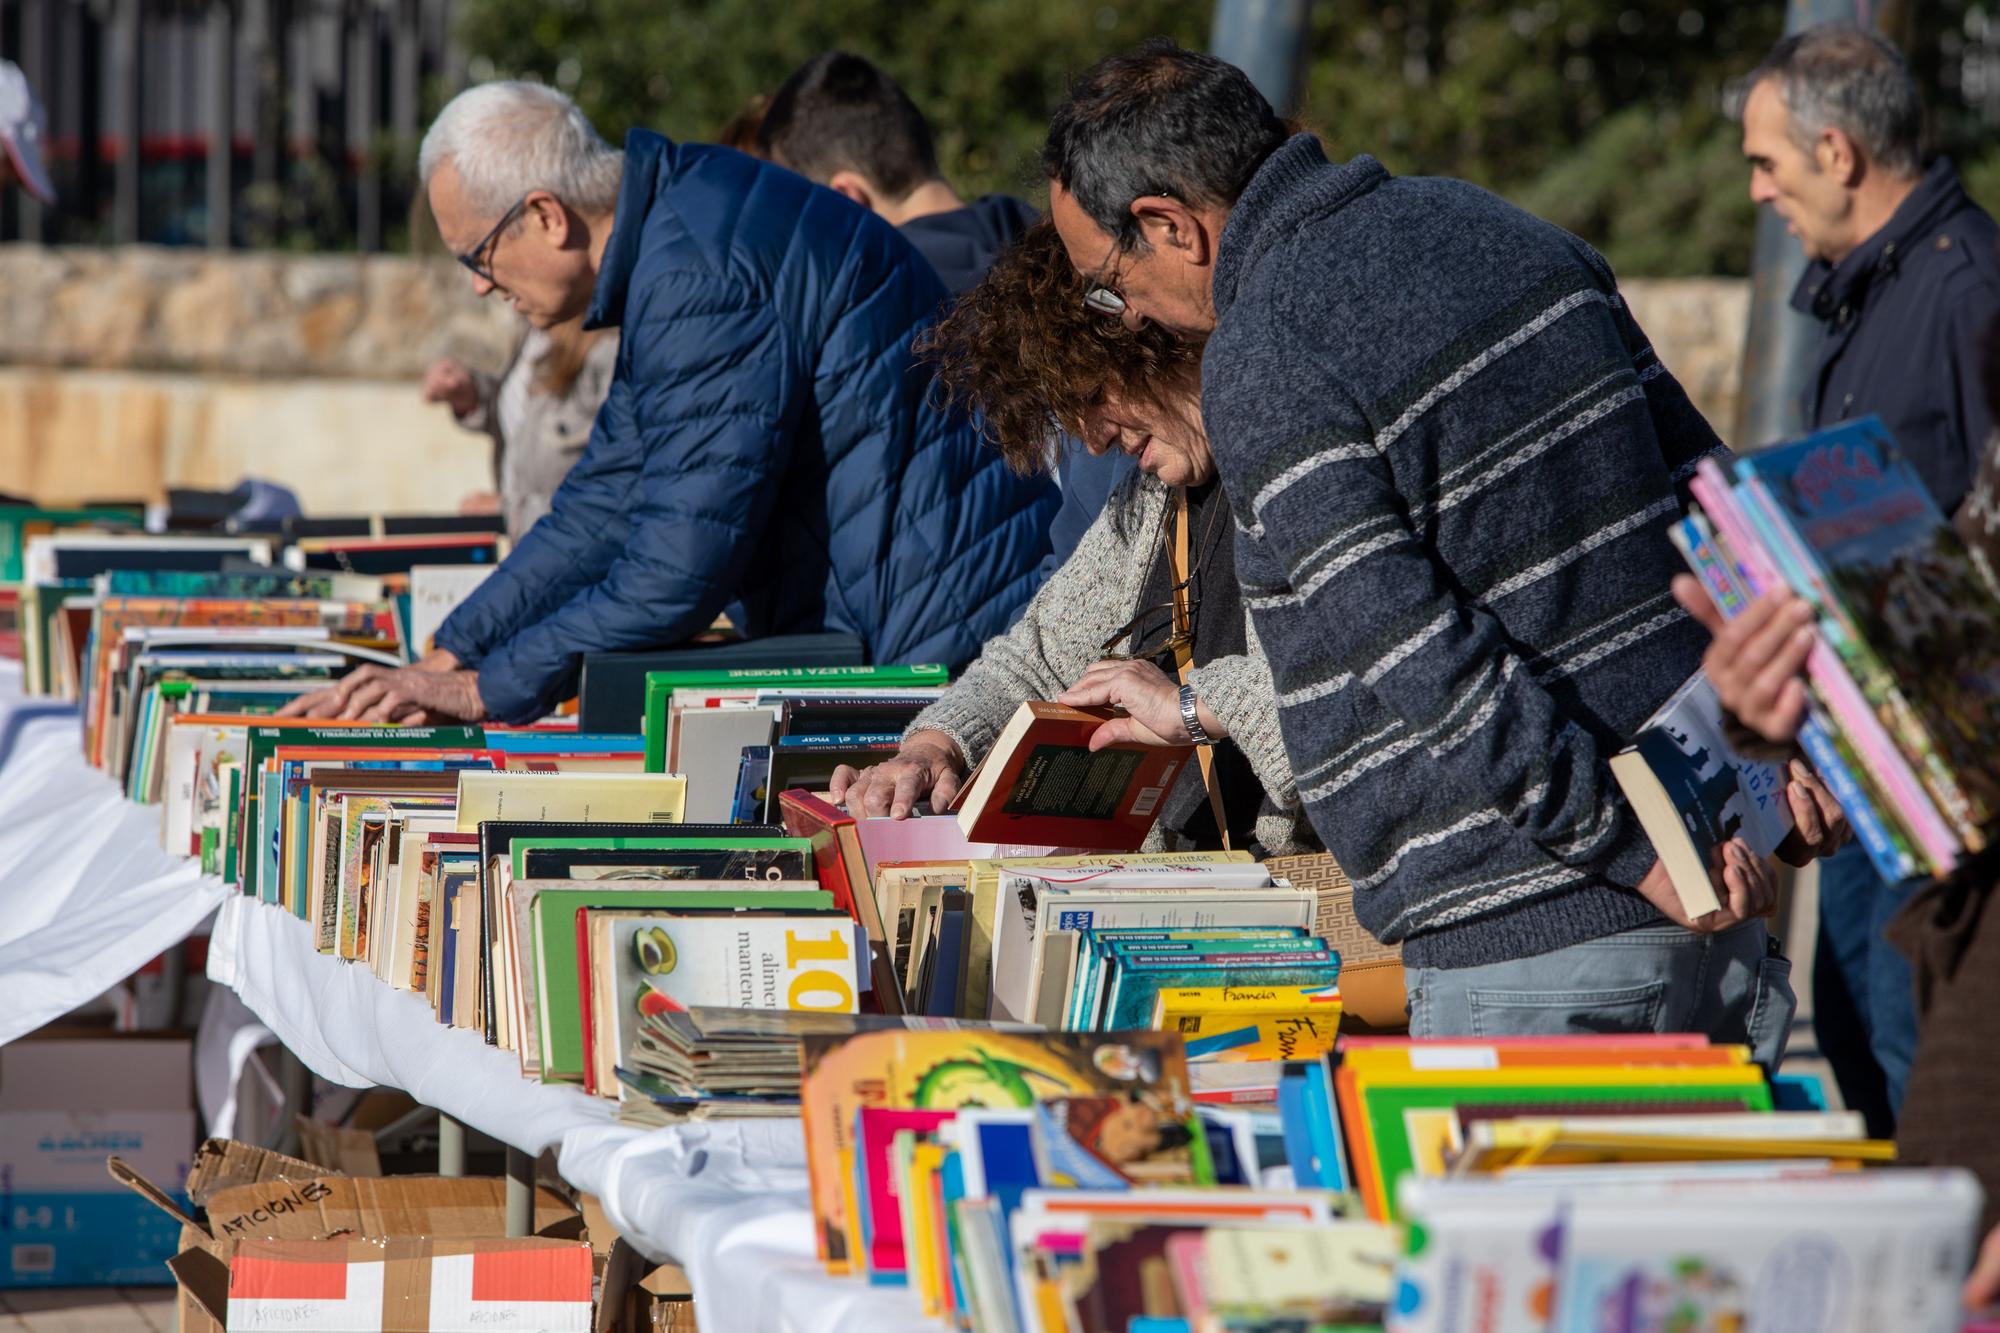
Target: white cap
[[22, 130]]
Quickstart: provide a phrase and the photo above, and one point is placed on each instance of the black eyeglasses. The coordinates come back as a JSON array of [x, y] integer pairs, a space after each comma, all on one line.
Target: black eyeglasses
[[479, 259]]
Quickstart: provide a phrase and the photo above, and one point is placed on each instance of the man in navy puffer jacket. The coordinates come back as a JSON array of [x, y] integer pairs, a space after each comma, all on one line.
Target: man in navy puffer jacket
[[767, 447]]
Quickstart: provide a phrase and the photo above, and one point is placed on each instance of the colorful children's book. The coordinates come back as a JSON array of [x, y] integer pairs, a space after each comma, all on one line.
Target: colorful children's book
[[946, 1070], [1250, 1022], [1904, 605]]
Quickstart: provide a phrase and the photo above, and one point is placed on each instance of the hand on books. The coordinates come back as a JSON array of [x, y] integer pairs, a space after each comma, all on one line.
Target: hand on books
[[1151, 700], [1745, 886], [927, 765], [1818, 825], [395, 694], [1982, 1288], [1756, 661]]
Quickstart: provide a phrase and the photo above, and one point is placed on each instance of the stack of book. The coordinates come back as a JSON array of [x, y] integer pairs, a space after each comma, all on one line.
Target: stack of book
[[1905, 672], [1030, 1182], [1020, 1179], [742, 734]]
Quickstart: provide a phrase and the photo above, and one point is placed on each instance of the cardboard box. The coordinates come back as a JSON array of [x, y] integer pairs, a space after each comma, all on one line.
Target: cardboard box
[[66, 1102], [288, 1200], [536, 1285]]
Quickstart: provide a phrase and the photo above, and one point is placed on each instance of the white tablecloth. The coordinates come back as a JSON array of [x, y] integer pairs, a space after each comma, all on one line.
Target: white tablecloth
[[728, 1201], [87, 895], [350, 1028]]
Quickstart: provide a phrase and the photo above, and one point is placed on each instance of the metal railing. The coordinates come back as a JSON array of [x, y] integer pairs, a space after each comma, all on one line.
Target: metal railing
[[274, 123]]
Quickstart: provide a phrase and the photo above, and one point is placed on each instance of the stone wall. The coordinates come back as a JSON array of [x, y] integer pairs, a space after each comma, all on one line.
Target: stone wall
[[1696, 325], [125, 371], [260, 314]]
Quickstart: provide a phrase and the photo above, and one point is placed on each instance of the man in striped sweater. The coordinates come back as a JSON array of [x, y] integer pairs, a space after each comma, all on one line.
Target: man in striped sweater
[[1453, 459]]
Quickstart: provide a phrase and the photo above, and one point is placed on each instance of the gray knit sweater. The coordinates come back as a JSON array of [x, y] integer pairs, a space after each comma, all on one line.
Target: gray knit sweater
[[1059, 635], [1453, 459]]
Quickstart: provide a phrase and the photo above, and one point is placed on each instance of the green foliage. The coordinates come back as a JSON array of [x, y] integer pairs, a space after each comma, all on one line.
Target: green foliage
[[986, 72], [1605, 116]]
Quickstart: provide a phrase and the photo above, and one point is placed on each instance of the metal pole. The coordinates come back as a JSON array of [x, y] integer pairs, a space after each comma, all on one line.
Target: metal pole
[[362, 53], [295, 1081], [1777, 345], [218, 102], [1268, 40], [125, 94], [520, 1192], [451, 1146], [29, 215]]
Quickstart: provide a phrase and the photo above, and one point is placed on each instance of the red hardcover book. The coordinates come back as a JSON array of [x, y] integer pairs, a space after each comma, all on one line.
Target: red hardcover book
[[843, 872], [1042, 783], [836, 852]]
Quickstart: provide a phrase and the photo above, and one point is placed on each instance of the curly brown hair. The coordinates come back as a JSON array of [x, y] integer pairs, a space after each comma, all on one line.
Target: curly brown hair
[[1022, 352]]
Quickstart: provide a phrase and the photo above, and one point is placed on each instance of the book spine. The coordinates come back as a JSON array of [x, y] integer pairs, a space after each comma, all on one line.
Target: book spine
[[1844, 700], [1803, 568], [1889, 861], [1707, 556]]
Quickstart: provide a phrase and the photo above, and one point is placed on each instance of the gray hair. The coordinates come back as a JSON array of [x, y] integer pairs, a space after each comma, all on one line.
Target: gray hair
[[1837, 76], [508, 138]]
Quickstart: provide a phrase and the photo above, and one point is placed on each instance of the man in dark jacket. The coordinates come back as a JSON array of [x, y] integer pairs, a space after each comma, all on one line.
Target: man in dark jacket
[[1903, 280], [1903, 277], [767, 447], [1452, 457], [842, 121]]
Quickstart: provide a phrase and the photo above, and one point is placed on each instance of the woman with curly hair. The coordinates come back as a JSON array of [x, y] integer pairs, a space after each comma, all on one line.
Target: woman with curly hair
[[1022, 349]]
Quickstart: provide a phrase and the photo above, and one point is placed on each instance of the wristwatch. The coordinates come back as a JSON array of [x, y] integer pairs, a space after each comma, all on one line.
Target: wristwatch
[[1191, 718]]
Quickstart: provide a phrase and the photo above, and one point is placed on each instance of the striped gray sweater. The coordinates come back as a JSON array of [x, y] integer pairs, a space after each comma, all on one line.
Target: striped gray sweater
[[1453, 459]]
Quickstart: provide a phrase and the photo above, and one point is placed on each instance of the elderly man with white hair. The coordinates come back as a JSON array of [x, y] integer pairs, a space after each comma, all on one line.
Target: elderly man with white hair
[[767, 447]]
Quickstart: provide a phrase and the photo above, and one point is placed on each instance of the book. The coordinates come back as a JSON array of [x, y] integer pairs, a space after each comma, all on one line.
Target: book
[[660, 686], [1833, 685], [662, 858], [543, 915], [397, 554], [842, 870], [1254, 1022], [435, 592], [1041, 783], [1033, 901], [498, 865], [1904, 605], [1383, 1111], [612, 689], [639, 962], [18, 523], [1692, 793], [945, 1070], [707, 745], [753, 786], [1859, 795], [592, 798]]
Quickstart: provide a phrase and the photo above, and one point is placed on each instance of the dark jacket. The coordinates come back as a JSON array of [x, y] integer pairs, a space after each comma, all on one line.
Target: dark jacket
[[1902, 322], [1087, 481], [766, 448], [962, 244], [1453, 459]]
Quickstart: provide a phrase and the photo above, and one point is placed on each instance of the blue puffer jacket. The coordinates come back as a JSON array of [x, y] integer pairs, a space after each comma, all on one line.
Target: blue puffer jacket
[[766, 448]]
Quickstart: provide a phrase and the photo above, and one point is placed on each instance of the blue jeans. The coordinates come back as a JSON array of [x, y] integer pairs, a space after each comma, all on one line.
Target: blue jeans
[[1731, 985], [1864, 998]]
